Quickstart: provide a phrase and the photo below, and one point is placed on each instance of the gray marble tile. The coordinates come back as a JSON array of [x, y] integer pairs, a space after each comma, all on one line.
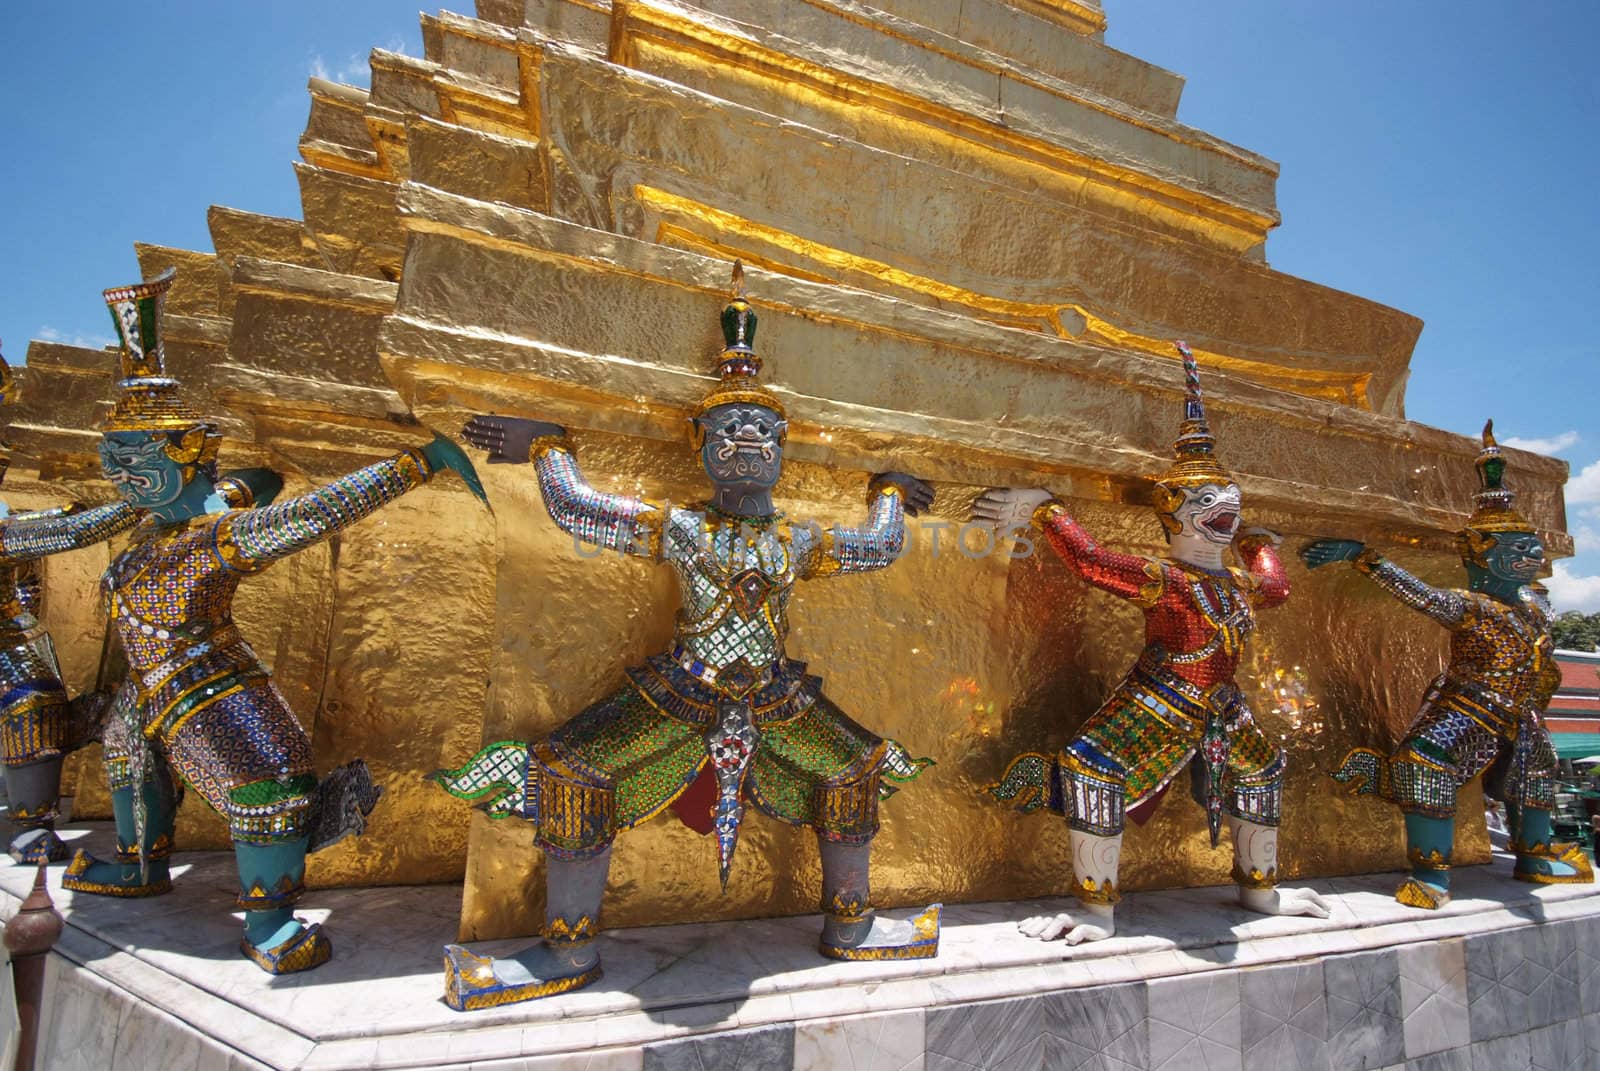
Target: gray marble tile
[[80, 1026], [991, 1034], [150, 1038], [1591, 1034], [1559, 1047], [1194, 1023], [1433, 996], [1101, 1028], [767, 1048], [1520, 979], [607, 1060], [892, 1042], [1584, 935], [1448, 1060], [1502, 1054], [1365, 1027], [1284, 1017]]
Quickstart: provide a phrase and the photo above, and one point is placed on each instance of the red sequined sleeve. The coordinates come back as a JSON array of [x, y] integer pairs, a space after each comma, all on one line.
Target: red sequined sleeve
[[1127, 576], [1261, 560]]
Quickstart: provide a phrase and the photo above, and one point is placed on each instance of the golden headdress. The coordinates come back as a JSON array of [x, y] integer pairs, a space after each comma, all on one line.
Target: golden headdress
[[1493, 510], [149, 398], [1194, 452], [738, 366]]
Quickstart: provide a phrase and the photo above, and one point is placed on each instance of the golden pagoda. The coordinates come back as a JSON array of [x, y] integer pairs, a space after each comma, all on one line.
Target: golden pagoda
[[971, 231]]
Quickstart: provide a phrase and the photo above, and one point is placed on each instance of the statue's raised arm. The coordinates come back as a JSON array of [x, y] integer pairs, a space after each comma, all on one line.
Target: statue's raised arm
[[24, 537], [617, 522], [891, 498], [1447, 606]]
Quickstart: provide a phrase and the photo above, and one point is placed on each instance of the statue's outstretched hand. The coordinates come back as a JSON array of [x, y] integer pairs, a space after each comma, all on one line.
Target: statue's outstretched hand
[[444, 454], [1008, 508], [508, 438], [1284, 901], [918, 495], [1320, 552]]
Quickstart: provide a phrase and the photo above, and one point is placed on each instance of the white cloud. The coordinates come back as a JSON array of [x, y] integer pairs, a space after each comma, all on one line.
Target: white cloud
[[1586, 537], [1552, 445], [1571, 591], [1584, 488], [354, 71], [81, 339]]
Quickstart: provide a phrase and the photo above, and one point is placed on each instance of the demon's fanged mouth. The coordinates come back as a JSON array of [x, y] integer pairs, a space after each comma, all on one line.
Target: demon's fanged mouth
[[1223, 522], [728, 447]]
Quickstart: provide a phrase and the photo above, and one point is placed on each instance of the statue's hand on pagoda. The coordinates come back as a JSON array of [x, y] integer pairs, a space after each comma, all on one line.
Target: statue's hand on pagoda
[[1284, 901], [444, 454], [1009, 508], [509, 439], [1320, 552], [917, 495]]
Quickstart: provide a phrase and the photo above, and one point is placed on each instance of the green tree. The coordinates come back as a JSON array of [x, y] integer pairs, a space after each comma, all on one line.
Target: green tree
[[1574, 631]]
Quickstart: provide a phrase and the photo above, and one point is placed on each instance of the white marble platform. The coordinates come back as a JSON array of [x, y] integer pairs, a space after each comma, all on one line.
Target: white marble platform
[[1191, 981]]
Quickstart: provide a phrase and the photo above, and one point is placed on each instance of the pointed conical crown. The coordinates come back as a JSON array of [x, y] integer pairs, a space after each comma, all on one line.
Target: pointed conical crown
[[1492, 503], [149, 399], [738, 367], [1194, 452]]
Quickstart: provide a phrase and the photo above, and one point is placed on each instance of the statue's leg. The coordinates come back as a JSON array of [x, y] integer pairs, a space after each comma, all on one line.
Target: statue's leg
[[851, 928], [140, 866], [33, 743], [1529, 794], [566, 957], [1093, 792], [33, 790], [1430, 840], [247, 755], [1443, 750], [576, 826]]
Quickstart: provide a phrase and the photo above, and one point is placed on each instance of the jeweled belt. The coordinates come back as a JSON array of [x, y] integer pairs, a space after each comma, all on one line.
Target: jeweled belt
[[706, 674], [188, 652], [1498, 705]]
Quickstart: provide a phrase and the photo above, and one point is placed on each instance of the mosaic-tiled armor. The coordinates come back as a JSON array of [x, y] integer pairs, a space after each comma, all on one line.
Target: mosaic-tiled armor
[[1485, 714], [719, 720], [198, 700], [1178, 708], [39, 725]]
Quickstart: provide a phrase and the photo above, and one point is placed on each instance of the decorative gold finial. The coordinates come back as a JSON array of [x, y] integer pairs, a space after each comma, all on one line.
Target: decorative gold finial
[[1493, 509]]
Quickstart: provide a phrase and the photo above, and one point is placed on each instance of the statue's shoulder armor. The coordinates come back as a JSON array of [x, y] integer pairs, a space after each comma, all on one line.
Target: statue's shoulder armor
[[682, 533], [1159, 575]]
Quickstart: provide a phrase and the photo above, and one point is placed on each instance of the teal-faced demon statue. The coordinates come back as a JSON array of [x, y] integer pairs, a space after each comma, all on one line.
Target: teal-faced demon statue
[[198, 700], [1485, 714]]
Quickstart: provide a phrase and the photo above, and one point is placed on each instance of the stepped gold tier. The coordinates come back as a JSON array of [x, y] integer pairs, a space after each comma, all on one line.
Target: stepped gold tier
[[971, 231]]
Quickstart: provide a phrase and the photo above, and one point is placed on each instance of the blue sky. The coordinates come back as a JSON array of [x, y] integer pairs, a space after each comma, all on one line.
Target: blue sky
[[1438, 157]]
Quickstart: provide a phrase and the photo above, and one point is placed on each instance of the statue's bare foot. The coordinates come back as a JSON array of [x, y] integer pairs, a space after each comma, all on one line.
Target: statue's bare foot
[[1090, 922], [1281, 901], [472, 981], [875, 937]]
